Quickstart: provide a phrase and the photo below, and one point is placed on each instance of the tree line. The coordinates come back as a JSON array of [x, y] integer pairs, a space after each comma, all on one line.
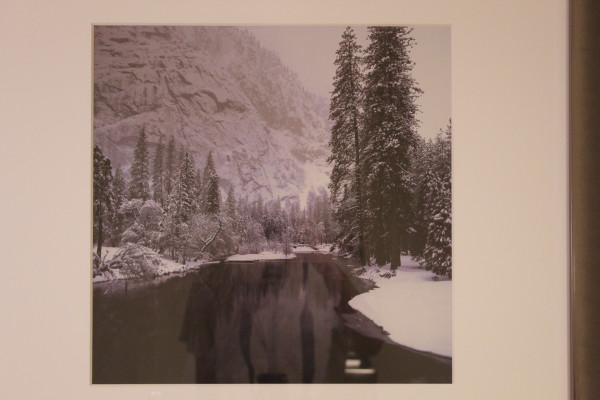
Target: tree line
[[390, 189], [178, 210]]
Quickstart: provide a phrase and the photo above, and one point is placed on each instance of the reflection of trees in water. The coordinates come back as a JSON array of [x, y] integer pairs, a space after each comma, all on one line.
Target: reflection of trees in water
[[266, 322]]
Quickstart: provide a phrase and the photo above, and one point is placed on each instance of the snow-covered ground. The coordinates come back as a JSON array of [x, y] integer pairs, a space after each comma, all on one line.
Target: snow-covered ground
[[415, 309], [166, 267], [321, 248], [265, 255]]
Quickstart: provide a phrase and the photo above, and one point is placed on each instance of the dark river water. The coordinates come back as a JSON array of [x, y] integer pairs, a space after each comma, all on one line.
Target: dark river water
[[265, 322]]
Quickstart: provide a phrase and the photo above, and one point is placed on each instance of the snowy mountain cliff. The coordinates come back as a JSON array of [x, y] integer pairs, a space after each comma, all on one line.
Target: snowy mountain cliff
[[212, 89]]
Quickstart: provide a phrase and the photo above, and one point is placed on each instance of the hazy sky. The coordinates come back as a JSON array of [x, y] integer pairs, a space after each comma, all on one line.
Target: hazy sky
[[310, 51]]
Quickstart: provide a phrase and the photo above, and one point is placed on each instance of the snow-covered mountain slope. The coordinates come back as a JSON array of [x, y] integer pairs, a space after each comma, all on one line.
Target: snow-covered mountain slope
[[213, 89]]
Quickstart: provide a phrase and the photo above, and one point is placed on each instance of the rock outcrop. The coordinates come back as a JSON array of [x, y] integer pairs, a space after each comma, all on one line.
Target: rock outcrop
[[213, 89]]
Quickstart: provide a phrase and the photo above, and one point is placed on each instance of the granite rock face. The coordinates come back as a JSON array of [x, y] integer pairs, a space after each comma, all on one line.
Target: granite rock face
[[213, 89]]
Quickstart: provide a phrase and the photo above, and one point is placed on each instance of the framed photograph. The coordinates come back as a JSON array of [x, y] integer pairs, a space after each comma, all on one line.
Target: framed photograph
[[235, 239], [245, 99]]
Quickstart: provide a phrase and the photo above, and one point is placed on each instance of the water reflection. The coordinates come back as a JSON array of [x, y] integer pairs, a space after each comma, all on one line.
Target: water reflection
[[255, 322], [266, 322]]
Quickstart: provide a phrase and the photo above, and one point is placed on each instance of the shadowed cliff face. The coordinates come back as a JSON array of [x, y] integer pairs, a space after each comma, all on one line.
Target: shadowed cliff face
[[211, 88]]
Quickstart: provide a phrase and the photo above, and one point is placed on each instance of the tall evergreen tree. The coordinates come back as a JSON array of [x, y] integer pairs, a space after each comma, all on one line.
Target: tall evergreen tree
[[170, 167], [230, 204], [182, 200], [199, 188], [420, 167], [158, 174], [437, 255], [390, 126], [139, 187], [346, 186], [119, 196], [211, 193], [179, 155], [181, 207], [103, 204]]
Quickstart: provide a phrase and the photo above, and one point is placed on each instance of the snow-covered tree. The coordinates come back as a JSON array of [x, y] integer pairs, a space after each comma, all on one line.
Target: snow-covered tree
[[158, 174], [173, 235], [390, 125], [199, 189], [212, 235], [139, 187], [133, 260], [211, 195], [117, 223], [422, 157], [345, 143], [437, 254], [179, 156], [103, 196], [145, 227], [182, 202], [257, 209], [230, 204], [182, 205], [322, 214], [170, 168], [254, 237], [274, 220]]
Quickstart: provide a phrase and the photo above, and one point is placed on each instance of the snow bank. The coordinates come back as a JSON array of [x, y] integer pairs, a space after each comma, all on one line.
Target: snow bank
[[304, 249], [166, 266], [322, 248], [415, 309], [265, 255], [169, 266]]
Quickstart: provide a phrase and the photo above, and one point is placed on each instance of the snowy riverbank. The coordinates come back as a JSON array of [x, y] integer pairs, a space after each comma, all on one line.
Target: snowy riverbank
[[269, 255], [415, 309], [320, 248], [265, 255], [166, 266]]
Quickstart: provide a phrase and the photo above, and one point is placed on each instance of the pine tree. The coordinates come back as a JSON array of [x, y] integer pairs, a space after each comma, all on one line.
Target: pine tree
[[139, 187], [182, 202], [199, 189], [103, 204], [390, 125], [420, 167], [179, 155], [346, 186], [119, 188], [119, 196], [258, 208], [170, 169], [437, 255], [181, 207], [230, 204], [211, 193], [158, 174]]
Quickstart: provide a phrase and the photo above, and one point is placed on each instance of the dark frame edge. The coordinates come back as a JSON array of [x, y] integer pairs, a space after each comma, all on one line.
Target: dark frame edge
[[584, 190]]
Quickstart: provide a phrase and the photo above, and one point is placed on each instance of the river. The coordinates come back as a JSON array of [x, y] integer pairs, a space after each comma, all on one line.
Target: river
[[265, 322]]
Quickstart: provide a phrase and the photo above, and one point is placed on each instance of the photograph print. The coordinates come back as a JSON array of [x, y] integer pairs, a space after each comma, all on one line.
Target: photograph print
[[271, 204]]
